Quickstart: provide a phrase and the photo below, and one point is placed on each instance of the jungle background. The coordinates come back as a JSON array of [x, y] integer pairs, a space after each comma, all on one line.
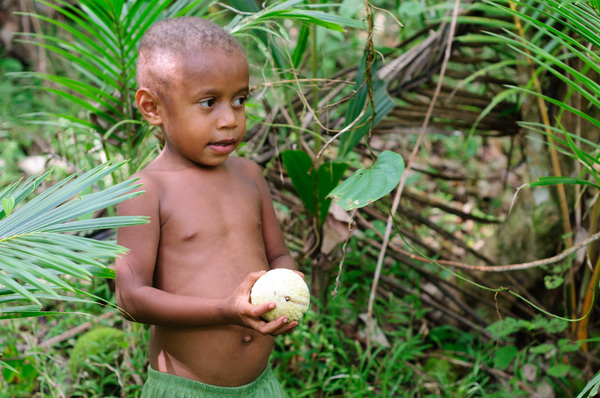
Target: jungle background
[[461, 259]]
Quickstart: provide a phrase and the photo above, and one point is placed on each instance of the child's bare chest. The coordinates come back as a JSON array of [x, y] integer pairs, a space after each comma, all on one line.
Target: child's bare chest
[[206, 208], [210, 234]]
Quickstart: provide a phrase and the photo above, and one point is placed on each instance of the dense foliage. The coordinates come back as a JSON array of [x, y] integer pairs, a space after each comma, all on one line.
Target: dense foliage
[[444, 287]]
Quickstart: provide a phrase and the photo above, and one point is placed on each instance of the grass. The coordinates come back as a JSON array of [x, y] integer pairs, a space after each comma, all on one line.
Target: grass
[[323, 357]]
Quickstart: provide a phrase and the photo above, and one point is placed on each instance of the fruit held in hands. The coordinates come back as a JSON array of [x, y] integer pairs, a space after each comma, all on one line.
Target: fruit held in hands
[[286, 289]]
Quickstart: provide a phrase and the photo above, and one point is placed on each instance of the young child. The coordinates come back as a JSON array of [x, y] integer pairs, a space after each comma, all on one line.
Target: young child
[[212, 231]]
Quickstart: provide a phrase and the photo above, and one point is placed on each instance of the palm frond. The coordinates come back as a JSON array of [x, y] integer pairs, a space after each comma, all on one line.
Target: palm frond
[[575, 38], [562, 43], [40, 250], [98, 40]]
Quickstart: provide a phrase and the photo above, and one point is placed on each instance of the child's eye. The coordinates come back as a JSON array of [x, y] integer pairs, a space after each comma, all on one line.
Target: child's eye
[[208, 103], [239, 101]]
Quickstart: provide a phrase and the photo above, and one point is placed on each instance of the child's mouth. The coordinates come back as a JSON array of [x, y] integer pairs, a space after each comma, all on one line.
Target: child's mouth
[[223, 147]]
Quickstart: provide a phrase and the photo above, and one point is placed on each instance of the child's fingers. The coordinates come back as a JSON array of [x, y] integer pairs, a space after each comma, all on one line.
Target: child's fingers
[[259, 310], [278, 326], [245, 287]]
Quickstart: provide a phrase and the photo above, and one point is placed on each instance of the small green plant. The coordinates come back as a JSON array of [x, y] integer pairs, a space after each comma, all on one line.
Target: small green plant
[[96, 356], [539, 361], [20, 372]]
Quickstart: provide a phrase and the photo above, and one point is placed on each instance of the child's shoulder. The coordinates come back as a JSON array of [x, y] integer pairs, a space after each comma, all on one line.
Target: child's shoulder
[[245, 166], [150, 177], [146, 174], [237, 161]]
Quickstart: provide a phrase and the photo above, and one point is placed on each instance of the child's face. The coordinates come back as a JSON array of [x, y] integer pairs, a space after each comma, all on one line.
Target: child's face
[[205, 121]]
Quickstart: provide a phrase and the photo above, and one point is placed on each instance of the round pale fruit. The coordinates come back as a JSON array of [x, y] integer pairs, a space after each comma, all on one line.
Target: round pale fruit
[[286, 289]]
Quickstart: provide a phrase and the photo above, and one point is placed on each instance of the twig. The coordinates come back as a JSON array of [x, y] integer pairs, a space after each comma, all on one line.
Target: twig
[[404, 176], [265, 84], [511, 267], [500, 375], [75, 331], [431, 301], [340, 267]]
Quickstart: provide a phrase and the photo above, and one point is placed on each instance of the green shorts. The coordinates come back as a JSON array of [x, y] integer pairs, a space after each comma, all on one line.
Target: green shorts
[[160, 384]]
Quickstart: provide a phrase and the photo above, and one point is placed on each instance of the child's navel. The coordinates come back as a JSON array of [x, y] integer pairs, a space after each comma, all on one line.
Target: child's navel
[[247, 338]]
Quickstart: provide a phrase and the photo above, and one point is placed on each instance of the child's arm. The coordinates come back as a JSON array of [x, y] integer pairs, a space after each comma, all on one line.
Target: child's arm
[[146, 304], [277, 252]]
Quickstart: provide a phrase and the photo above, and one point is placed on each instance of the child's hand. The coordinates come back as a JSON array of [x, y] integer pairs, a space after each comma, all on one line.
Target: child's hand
[[248, 315]]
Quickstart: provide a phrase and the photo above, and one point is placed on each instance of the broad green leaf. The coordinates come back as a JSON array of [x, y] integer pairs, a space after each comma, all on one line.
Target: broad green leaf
[[566, 345], [367, 186], [506, 327], [312, 188], [549, 325], [543, 348], [553, 281], [328, 176]]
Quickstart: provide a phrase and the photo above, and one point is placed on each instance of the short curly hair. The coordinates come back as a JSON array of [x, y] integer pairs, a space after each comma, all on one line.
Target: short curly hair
[[171, 39]]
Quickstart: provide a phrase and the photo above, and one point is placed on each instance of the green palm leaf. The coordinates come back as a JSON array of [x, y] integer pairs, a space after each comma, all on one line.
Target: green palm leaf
[[40, 253], [98, 39], [562, 42]]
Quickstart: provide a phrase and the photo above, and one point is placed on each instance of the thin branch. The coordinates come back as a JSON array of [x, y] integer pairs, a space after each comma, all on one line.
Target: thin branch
[[75, 331], [278, 82], [413, 155], [511, 267]]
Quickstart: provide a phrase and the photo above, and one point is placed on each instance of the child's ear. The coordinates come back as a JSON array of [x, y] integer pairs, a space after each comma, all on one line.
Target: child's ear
[[148, 103]]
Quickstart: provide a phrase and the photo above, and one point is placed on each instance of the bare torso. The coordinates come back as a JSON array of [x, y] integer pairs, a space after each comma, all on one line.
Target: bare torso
[[210, 239]]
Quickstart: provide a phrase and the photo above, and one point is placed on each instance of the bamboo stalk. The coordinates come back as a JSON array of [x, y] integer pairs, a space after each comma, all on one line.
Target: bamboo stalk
[[583, 325], [562, 197]]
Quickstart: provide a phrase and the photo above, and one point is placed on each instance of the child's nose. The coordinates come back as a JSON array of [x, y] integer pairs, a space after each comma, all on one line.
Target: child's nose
[[228, 118]]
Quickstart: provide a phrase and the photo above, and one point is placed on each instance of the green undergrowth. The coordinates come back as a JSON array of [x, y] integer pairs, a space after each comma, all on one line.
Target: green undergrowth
[[325, 356]]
